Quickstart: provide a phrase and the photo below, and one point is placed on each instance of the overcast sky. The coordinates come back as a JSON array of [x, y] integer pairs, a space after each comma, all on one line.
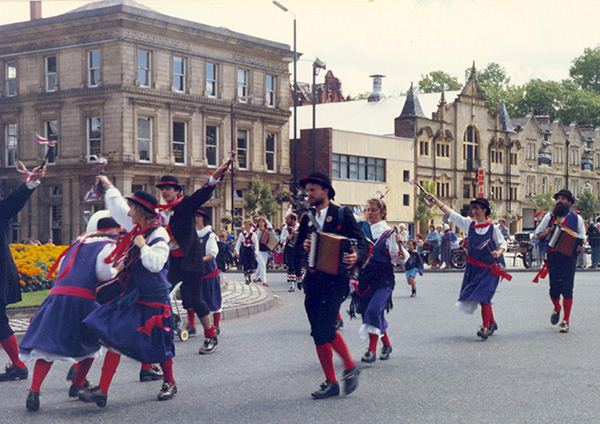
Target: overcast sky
[[401, 39]]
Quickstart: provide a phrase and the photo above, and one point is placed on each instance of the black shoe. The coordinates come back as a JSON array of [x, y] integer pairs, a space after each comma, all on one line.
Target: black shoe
[[555, 317], [74, 390], [217, 330], [167, 391], [299, 285], [33, 401], [385, 353], [483, 333], [12, 372], [210, 345], [492, 327], [564, 327], [413, 294], [369, 357], [291, 289], [72, 373], [152, 374], [96, 395], [326, 390], [350, 380], [339, 324], [191, 330]]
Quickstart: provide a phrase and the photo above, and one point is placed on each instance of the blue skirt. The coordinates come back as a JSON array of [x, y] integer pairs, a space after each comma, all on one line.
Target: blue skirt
[[211, 291], [478, 285]]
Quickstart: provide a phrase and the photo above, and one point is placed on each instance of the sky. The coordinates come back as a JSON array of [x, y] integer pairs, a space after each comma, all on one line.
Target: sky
[[401, 39]]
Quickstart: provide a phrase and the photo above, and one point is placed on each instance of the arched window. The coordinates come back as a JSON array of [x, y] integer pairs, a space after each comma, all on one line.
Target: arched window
[[471, 147]]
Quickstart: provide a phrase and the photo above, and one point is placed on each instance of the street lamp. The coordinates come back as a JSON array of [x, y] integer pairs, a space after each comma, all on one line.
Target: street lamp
[[317, 65], [285, 9]]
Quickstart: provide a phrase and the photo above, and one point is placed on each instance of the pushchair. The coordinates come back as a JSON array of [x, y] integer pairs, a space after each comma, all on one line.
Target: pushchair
[[179, 329]]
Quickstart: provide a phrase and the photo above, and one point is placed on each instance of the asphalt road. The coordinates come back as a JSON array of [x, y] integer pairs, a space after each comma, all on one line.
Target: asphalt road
[[439, 372]]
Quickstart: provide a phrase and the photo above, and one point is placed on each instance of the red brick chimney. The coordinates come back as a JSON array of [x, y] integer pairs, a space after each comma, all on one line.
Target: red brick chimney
[[35, 10]]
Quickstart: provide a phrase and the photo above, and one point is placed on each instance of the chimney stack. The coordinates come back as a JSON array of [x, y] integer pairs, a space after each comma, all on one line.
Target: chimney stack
[[35, 10], [376, 95]]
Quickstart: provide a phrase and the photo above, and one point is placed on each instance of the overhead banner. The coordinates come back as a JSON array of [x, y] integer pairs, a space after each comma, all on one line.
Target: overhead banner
[[544, 158]]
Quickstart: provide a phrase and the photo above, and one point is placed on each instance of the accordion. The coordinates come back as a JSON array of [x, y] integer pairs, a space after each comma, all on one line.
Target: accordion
[[327, 253], [563, 239], [268, 239]]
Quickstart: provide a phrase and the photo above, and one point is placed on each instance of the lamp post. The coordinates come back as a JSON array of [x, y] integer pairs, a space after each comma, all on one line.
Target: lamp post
[[317, 65], [285, 9]]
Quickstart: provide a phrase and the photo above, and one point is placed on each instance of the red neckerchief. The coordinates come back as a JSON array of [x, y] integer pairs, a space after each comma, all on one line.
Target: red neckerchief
[[175, 202], [125, 244], [485, 224]]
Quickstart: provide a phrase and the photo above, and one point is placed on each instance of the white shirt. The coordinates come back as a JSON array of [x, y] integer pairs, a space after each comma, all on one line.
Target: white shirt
[[546, 220], [241, 239], [320, 216], [464, 223], [377, 230], [211, 245], [285, 233]]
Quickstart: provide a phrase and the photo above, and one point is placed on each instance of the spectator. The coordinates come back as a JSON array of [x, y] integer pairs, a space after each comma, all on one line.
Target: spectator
[[434, 240], [593, 236], [506, 234]]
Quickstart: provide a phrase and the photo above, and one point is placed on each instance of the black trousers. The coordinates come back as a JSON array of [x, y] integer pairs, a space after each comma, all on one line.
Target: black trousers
[[293, 261], [192, 295], [324, 296], [5, 330], [561, 269]]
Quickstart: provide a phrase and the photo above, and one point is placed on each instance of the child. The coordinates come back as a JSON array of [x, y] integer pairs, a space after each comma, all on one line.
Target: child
[[413, 266]]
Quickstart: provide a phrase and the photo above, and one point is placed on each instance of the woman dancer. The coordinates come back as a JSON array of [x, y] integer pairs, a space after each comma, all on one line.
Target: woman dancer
[[246, 250], [373, 294], [263, 251], [137, 324], [485, 244], [56, 331]]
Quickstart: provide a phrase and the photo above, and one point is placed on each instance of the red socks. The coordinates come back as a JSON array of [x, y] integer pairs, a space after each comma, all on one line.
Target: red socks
[[373, 339], [567, 305], [167, 369], [556, 303], [191, 318], [486, 314], [12, 350], [210, 333], [340, 347], [385, 340], [111, 362], [325, 355], [40, 371], [217, 318], [82, 371]]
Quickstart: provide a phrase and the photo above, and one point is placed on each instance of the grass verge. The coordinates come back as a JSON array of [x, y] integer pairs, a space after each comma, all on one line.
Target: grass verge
[[30, 299]]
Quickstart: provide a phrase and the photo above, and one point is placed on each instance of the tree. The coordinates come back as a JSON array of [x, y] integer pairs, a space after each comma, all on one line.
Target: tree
[[438, 81], [587, 204], [259, 200], [495, 85], [362, 96], [586, 69], [425, 211], [542, 202], [493, 211]]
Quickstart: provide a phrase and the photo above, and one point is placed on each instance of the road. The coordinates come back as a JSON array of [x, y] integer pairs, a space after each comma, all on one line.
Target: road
[[439, 372]]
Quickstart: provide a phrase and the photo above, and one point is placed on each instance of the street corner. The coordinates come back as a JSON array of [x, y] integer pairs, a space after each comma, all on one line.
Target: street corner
[[241, 299]]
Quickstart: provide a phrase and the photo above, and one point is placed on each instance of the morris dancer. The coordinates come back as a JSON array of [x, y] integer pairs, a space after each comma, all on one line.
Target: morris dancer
[[56, 331], [373, 294], [560, 266], [137, 324], [211, 281], [485, 244], [10, 290], [292, 260], [246, 250], [326, 292], [262, 233]]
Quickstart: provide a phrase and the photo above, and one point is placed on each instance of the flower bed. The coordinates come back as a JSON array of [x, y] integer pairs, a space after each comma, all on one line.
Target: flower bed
[[33, 262]]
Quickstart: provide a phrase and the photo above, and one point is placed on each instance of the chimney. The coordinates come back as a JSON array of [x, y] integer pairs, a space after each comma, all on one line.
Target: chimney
[[541, 116], [35, 10], [376, 95]]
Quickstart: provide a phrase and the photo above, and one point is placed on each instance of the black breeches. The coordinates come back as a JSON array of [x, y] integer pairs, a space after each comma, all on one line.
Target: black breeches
[[324, 297], [561, 270], [293, 261], [192, 295]]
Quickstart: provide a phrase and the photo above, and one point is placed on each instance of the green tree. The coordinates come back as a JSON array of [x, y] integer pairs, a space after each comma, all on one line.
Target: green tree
[[438, 81], [587, 204], [493, 211], [586, 69], [362, 96], [425, 211], [542, 202], [259, 199], [495, 85]]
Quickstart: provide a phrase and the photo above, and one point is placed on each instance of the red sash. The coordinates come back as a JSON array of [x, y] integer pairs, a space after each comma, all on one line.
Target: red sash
[[73, 291], [212, 274], [494, 268], [156, 320]]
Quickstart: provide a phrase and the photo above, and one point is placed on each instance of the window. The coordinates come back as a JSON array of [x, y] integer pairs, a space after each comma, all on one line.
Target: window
[[93, 137], [471, 147], [11, 78], [530, 185], [270, 90], [51, 133], [467, 191], [270, 145], [144, 68], [405, 175], [93, 68], [212, 145], [544, 185], [211, 80], [496, 156], [406, 200], [242, 85], [574, 187], [50, 73], [424, 148], [513, 193], [137, 187], [179, 141], [514, 158], [242, 148], [11, 137], [442, 150], [179, 73], [144, 138], [358, 168], [56, 224], [443, 189]]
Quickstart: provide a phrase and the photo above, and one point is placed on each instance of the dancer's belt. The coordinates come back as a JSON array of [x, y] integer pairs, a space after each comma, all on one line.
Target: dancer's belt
[[73, 291], [212, 274], [155, 320], [494, 268]]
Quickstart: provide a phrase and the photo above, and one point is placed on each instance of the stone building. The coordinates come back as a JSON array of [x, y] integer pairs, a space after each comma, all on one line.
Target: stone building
[[154, 94]]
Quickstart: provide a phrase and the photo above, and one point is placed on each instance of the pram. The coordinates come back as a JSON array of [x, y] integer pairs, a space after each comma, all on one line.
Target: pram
[[179, 329]]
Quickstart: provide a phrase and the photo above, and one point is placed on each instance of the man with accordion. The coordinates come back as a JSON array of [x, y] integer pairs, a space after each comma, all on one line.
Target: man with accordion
[[336, 244], [561, 235]]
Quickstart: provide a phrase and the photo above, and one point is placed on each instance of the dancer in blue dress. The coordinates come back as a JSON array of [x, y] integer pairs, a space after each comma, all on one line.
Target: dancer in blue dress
[[485, 244]]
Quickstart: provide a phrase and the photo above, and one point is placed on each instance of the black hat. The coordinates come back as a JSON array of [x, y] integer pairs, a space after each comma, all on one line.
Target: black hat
[[145, 200], [566, 193], [169, 181], [203, 212], [321, 179], [106, 223], [482, 201]]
